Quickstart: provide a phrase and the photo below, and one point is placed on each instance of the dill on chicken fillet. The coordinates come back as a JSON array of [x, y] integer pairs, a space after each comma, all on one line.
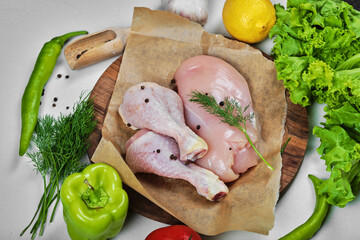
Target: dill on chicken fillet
[[230, 111], [61, 143]]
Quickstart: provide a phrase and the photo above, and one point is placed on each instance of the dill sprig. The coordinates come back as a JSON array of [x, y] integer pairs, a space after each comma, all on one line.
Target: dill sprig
[[60, 143], [229, 111], [285, 144]]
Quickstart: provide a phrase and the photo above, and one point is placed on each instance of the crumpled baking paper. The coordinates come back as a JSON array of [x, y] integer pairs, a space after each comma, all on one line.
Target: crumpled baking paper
[[158, 43]]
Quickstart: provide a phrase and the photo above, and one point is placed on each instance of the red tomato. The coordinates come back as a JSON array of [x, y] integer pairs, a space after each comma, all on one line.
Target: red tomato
[[175, 232]]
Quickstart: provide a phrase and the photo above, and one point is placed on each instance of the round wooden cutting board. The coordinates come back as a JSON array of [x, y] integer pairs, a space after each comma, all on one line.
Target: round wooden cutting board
[[296, 128]]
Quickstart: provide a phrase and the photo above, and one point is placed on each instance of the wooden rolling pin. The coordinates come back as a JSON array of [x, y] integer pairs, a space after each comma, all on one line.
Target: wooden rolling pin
[[96, 47]]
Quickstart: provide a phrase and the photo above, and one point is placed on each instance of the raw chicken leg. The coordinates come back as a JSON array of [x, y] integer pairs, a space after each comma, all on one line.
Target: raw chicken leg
[[229, 151], [149, 105], [151, 152]]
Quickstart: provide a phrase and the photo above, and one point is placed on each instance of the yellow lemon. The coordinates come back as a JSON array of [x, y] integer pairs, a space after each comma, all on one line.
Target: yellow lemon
[[249, 20]]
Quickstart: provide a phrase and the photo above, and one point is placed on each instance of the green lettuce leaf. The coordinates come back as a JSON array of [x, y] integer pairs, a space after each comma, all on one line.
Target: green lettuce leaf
[[346, 116], [340, 148], [319, 77], [290, 70], [337, 147], [321, 42], [339, 45], [342, 155], [317, 56], [341, 186], [353, 62]]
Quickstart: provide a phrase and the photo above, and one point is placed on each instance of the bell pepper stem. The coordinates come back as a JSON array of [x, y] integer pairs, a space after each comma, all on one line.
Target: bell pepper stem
[[94, 198], [89, 185]]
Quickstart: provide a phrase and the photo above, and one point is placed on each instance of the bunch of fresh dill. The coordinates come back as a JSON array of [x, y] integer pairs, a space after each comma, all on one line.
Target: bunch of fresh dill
[[228, 111], [61, 143]]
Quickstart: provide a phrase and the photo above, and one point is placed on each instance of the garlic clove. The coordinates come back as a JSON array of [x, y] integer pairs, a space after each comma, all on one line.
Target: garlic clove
[[195, 10]]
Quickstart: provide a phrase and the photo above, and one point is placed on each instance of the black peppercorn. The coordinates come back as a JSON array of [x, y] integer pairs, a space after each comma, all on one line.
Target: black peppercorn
[[221, 103], [146, 100]]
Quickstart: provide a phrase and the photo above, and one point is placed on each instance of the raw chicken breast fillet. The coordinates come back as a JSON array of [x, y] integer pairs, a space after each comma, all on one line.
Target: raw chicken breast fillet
[[229, 151], [149, 105], [150, 152]]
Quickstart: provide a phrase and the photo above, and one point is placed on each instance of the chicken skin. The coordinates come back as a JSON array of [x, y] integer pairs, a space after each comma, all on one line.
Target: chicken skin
[[150, 152], [149, 105]]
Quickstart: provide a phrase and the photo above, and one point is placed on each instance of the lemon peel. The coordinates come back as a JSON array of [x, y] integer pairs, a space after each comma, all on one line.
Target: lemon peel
[[249, 21]]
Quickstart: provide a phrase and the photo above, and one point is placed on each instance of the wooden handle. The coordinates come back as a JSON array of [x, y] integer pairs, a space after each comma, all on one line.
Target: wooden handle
[[96, 47]]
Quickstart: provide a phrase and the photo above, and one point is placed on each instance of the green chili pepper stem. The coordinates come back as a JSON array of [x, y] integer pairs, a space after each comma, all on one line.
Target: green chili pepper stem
[[41, 73], [313, 224], [62, 39]]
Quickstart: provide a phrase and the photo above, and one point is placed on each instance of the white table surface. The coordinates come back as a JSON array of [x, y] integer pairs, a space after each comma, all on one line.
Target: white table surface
[[25, 26]]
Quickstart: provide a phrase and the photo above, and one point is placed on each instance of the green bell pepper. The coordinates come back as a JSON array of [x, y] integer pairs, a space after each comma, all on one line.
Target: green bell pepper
[[94, 203]]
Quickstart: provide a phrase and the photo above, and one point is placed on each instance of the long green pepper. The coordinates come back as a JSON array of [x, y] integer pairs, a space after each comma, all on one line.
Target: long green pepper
[[41, 73], [311, 226]]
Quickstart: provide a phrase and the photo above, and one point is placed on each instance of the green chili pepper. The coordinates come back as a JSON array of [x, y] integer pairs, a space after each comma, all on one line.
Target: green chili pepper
[[310, 227], [94, 203], [42, 71]]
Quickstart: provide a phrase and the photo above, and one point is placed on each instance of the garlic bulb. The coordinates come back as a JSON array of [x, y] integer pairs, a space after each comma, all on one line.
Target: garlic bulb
[[195, 10]]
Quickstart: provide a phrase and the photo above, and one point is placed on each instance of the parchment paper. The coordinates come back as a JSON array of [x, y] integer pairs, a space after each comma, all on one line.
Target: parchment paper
[[158, 43]]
